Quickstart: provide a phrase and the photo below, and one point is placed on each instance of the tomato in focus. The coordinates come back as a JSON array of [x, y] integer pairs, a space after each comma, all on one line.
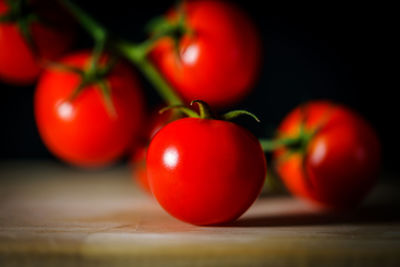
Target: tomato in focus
[[82, 131], [341, 161], [219, 61], [205, 171]]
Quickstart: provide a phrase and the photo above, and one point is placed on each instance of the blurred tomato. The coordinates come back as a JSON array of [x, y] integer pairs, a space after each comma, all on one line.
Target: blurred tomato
[[139, 170], [338, 165], [218, 61], [82, 131], [51, 33]]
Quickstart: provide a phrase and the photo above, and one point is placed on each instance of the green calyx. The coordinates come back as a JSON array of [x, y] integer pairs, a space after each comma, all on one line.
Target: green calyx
[[135, 53], [178, 26], [205, 112], [175, 29], [299, 143], [93, 74]]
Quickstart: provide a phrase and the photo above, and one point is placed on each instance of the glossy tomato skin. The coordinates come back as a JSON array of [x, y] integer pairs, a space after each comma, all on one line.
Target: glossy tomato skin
[[82, 132], [205, 171], [220, 62], [342, 160], [19, 64]]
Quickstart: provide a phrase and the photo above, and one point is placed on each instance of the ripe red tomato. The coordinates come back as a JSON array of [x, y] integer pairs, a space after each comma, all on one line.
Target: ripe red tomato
[[205, 171], [19, 65], [341, 161], [82, 131], [219, 62]]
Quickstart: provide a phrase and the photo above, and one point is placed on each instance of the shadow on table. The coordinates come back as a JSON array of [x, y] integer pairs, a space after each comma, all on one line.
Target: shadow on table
[[384, 206], [372, 214]]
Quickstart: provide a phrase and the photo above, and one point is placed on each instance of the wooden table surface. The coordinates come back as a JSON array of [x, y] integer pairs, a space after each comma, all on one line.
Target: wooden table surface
[[54, 215]]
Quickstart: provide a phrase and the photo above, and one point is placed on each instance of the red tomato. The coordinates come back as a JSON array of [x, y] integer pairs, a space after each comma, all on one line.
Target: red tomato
[[205, 171], [341, 162], [139, 168], [82, 131], [18, 63], [219, 62], [156, 122]]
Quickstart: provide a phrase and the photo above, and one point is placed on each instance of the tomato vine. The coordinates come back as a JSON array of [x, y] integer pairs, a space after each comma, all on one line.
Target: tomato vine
[[135, 53]]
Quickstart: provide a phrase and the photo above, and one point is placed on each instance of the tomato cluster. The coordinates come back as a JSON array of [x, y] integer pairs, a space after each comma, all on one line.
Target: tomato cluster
[[205, 170]]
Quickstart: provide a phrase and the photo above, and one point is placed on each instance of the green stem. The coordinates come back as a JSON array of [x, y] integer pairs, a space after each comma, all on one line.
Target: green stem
[[96, 55], [204, 108], [137, 55], [97, 31], [158, 82], [183, 109], [271, 145], [236, 113]]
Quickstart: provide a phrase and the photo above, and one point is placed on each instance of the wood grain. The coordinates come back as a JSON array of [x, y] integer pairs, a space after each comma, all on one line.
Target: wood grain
[[54, 215]]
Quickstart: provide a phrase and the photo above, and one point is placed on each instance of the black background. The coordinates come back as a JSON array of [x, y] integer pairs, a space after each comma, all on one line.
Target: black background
[[325, 51]]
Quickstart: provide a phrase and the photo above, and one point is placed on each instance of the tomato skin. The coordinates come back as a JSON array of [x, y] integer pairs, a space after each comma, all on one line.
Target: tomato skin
[[342, 160], [220, 62], [19, 65], [205, 171], [82, 132]]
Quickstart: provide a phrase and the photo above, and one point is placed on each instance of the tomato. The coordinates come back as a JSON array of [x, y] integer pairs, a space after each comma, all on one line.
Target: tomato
[[19, 64], [219, 61], [205, 171], [82, 131], [138, 160], [139, 173], [341, 160]]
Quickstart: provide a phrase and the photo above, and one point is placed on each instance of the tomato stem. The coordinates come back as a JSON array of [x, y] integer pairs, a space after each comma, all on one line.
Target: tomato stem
[[135, 53], [271, 145], [240, 112], [97, 31], [297, 143], [96, 54], [204, 109], [183, 109]]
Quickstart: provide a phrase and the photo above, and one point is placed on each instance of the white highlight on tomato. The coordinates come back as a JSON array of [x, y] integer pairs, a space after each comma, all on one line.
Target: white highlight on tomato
[[65, 110], [170, 157], [190, 54], [319, 153]]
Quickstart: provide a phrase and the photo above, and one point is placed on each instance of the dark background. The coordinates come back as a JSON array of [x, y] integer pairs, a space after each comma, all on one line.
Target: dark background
[[329, 51]]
